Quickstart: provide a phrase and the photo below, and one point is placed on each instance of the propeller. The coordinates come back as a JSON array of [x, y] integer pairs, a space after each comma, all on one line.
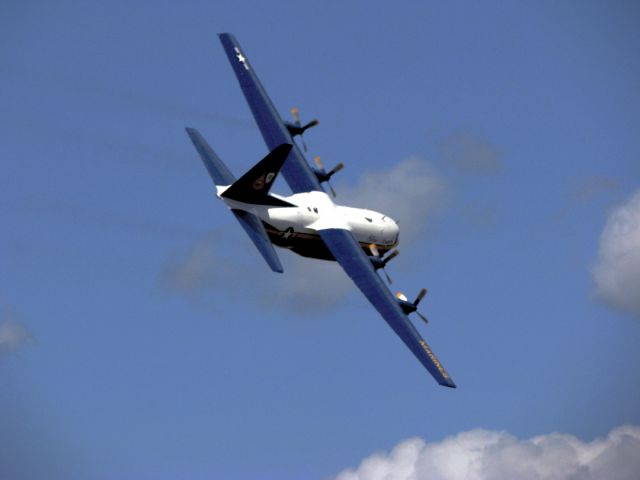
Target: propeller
[[420, 296], [297, 128], [323, 175], [408, 307], [379, 262]]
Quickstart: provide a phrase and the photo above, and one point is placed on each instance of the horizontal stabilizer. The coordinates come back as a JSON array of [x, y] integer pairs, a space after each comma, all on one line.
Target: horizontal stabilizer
[[218, 171], [255, 229]]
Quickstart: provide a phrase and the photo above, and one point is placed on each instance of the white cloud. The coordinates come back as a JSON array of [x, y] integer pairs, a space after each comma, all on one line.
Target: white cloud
[[13, 336], [410, 192], [483, 454], [617, 270], [591, 187], [472, 153], [225, 263]]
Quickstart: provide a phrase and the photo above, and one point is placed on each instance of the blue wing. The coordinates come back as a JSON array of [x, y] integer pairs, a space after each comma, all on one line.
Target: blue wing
[[341, 243], [352, 259], [296, 170]]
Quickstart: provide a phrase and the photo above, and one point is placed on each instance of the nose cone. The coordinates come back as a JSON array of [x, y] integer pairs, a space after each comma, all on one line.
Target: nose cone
[[396, 232], [391, 230]]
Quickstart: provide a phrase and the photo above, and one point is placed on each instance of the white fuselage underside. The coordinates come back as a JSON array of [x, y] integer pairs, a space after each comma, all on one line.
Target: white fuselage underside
[[314, 211]]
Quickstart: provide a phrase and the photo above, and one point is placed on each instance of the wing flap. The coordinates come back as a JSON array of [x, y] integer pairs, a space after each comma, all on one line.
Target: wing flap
[[352, 259]]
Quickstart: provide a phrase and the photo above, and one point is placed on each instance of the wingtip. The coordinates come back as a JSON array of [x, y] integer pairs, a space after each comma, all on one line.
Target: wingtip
[[226, 35], [192, 132], [448, 383]]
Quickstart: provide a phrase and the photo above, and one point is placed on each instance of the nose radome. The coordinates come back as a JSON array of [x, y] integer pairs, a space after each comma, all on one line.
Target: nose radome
[[392, 229], [394, 224]]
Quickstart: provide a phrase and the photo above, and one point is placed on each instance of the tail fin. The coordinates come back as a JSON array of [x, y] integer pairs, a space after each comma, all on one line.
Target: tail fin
[[218, 171], [253, 187]]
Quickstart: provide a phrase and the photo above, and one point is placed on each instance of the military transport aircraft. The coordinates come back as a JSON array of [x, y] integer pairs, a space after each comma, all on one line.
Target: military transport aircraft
[[308, 222]]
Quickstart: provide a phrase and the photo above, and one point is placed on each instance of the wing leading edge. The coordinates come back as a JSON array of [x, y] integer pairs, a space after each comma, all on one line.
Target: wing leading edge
[[348, 253], [296, 171]]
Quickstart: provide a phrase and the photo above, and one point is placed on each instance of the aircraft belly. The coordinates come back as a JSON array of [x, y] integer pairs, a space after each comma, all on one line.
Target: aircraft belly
[[293, 229], [307, 243], [300, 240]]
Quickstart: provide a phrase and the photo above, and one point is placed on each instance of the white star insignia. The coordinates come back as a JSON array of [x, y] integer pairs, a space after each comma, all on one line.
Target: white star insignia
[[287, 233], [241, 58]]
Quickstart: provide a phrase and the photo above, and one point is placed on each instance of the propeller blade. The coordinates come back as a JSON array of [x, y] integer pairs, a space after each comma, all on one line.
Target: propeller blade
[[424, 319], [296, 115], [304, 145], [311, 124], [391, 256], [401, 296], [336, 169], [374, 250], [420, 296], [333, 192], [387, 275], [318, 163]]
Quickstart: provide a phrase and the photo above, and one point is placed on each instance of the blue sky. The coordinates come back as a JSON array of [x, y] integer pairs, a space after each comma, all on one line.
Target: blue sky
[[149, 340]]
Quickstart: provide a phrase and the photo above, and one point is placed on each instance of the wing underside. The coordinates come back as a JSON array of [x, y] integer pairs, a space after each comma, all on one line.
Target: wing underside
[[347, 252], [296, 170]]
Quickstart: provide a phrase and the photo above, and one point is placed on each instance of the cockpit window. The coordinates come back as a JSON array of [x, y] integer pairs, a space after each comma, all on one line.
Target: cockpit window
[[368, 219]]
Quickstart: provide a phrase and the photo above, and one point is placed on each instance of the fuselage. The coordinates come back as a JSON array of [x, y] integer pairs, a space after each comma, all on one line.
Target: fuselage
[[296, 227]]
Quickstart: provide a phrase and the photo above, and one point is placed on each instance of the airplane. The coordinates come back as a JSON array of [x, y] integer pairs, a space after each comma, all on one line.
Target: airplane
[[308, 222]]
